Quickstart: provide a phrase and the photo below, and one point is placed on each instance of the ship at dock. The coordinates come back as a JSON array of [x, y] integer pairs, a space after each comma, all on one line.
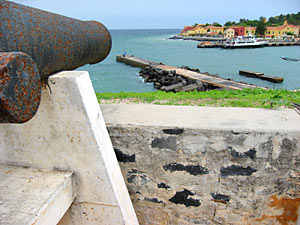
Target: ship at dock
[[244, 42]]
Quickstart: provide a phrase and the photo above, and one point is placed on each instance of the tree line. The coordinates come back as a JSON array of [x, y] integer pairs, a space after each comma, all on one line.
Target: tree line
[[293, 19], [262, 22]]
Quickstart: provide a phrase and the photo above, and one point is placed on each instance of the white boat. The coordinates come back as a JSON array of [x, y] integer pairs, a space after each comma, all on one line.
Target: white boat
[[244, 42]]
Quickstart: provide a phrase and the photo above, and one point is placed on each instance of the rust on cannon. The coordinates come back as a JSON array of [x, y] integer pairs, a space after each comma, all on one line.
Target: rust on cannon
[[20, 87], [54, 42]]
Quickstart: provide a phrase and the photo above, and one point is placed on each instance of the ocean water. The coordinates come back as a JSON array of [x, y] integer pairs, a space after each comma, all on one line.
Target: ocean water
[[111, 76]]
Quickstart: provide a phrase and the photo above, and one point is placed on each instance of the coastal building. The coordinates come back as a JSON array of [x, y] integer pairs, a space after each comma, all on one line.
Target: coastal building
[[214, 29], [191, 32], [200, 30], [229, 33], [250, 30], [281, 31], [274, 32], [239, 31], [185, 30]]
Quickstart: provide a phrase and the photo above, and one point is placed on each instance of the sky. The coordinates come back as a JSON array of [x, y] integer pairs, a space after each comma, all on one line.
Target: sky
[[162, 14]]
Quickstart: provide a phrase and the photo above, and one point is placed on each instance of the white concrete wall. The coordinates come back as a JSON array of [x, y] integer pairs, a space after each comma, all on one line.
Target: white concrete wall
[[68, 133]]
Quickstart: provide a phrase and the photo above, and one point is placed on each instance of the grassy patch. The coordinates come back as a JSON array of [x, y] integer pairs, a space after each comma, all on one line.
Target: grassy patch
[[254, 98]]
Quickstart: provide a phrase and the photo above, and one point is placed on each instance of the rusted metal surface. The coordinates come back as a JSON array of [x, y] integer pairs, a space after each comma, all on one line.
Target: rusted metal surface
[[54, 42], [20, 87]]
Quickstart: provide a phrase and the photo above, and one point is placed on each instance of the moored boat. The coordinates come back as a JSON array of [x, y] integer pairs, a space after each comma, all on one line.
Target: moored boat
[[290, 59], [244, 42]]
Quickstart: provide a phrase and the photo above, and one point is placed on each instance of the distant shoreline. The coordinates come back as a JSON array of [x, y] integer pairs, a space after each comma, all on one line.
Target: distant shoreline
[[216, 42], [193, 38]]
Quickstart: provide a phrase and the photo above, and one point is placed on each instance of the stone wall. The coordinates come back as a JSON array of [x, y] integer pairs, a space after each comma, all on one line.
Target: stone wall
[[179, 175]]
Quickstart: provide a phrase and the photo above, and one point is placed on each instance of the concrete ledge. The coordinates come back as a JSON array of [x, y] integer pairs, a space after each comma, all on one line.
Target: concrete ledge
[[29, 196], [237, 119]]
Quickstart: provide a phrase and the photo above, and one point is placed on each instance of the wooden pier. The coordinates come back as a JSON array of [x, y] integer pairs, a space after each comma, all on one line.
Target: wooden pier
[[261, 76], [205, 78]]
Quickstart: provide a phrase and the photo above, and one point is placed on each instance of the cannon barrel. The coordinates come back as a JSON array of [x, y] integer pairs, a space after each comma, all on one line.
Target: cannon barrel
[[54, 43], [20, 87]]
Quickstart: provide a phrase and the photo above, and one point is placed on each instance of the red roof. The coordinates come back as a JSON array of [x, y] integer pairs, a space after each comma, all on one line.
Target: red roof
[[213, 27], [187, 28], [276, 28], [282, 27]]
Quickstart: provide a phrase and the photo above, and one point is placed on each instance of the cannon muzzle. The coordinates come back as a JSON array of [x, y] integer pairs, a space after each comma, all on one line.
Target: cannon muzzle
[[51, 43]]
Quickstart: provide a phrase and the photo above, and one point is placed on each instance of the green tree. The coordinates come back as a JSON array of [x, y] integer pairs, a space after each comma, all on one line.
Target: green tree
[[228, 24], [261, 26], [243, 20], [262, 18], [216, 24], [272, 20]]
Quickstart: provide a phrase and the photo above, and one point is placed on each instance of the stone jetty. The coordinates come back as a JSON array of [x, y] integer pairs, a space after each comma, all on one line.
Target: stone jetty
[[207, 80], [171, 81]]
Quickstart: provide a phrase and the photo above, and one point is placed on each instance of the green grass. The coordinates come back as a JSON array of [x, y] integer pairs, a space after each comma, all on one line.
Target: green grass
[[254, 98]]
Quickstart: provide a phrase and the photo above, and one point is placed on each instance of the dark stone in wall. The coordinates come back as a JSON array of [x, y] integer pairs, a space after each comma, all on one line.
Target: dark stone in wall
[[238, 133], [220, 198], [121, 157], [267, 148], [235, 170], [155, 200], [182, 198], [288, 144], [174, 131], [191, 169], [168, 143], [163, 185], [251, 153], [137, 177]]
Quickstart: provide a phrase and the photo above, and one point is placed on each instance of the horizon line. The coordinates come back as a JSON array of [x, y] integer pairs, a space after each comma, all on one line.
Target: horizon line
[[144, 28]]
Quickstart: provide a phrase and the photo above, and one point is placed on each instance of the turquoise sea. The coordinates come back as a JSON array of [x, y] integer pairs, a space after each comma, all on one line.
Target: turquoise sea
[[111, 76]]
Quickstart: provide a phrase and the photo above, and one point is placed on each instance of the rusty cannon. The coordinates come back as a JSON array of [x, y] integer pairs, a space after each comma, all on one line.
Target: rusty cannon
[[34, 44]]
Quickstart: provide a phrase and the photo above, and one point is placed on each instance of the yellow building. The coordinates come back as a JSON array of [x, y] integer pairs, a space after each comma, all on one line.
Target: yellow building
[[214, 29], [199, 29], [229, 33], [274, 32], [185, 30], [284, 30], [291, 29], [250, 30]]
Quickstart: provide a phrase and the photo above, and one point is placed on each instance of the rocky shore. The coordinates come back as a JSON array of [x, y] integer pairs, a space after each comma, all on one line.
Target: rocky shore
[[171, 81]]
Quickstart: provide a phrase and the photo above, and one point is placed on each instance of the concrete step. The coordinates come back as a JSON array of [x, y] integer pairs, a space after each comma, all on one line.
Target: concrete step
[[29, 196]]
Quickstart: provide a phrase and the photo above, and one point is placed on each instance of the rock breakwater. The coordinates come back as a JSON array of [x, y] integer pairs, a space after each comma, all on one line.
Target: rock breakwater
[[171, 81]]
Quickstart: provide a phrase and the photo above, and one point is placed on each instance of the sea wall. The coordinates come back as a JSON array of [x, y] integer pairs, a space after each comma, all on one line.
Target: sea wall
[[193, 165]]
